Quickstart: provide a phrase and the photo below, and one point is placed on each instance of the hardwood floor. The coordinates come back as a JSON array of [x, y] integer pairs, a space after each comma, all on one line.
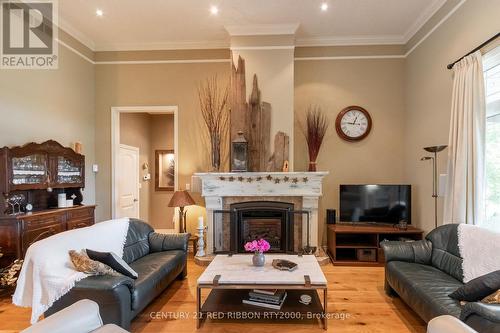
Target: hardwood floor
[[356, 294]]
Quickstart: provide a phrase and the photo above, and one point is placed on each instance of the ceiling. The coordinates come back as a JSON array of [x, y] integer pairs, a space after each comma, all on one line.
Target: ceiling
[[174, 24]]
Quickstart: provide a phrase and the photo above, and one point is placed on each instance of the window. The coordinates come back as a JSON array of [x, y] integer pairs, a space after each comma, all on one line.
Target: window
[[491, 64]]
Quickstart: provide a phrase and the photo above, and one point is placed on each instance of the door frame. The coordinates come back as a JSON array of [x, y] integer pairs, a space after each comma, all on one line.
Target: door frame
[[138, 177], [115, 143]]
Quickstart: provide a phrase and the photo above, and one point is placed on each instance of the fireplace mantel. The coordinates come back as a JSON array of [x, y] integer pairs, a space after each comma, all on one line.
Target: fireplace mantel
[[261, 183], [305, 185]]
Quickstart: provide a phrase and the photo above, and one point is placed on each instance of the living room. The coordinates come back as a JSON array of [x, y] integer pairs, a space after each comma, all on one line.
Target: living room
[[335, 101]]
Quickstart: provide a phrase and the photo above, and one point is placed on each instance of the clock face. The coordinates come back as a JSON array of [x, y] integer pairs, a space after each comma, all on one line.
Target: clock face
[[353, 123]]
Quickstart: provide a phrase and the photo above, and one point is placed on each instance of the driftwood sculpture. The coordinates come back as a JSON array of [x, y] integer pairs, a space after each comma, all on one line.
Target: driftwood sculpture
[[252, 118], [279, 159]]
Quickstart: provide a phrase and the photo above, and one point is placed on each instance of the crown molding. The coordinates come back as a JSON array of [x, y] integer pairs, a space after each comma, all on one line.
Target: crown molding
[[76, 34], [185, 45], [262, 29], [435, 27], [350, 40], [422, 19]]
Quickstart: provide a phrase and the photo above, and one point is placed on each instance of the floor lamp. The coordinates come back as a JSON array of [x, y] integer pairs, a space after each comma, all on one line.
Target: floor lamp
[[435, 150]]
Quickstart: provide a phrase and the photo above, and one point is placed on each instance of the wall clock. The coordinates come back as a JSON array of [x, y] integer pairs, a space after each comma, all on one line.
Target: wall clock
[[353, 123]]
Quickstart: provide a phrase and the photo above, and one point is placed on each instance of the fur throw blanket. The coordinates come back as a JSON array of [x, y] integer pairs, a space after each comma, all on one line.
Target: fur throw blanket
[[47, 273], [480, 250]]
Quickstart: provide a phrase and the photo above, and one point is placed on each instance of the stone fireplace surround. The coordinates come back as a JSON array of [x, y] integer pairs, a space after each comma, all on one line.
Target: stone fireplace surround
[[220, 190]]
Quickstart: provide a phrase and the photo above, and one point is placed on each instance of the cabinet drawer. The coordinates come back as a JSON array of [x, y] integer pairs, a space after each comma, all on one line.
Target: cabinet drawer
[[35, 235], [75, 224], [80, 213], [35, 222]]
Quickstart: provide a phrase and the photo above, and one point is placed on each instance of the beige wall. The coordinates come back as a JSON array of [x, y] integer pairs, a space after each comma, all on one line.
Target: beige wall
[[135, 131], [428, 86], [38, 105], [376, 85], [162, 137], [150, 85]]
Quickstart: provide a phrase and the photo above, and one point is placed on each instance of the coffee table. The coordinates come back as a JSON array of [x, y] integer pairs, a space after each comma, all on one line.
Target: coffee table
[[230, 277]]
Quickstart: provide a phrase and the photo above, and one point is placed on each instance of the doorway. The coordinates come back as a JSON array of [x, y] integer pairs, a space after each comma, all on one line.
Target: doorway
[[128, 182], [151, 130]]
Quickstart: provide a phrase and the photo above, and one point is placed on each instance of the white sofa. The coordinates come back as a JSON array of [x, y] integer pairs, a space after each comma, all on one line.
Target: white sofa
[[448, 324], [80, 317]]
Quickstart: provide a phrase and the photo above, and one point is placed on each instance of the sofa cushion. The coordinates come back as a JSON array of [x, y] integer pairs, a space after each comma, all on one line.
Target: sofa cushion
[[478, 288], [445, 252], [137, 243], [113, 261], [156, 271], [424, 288]]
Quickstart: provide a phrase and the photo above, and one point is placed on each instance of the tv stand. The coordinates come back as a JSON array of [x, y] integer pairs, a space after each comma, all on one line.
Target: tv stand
[[359, 244]]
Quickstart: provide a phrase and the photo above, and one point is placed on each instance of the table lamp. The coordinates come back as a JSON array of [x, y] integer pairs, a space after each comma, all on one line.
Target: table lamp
[[181, 199]]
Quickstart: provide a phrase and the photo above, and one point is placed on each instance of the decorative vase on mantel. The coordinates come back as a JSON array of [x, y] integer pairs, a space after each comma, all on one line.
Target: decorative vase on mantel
[[215, 153], [312, 166], [258, 247]]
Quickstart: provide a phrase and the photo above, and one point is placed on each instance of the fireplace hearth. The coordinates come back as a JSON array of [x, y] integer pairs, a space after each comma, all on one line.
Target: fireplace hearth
[[272, 221]]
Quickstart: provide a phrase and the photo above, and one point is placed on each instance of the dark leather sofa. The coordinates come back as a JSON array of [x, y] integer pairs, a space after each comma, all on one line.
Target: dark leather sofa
[[424, 273], [157, 258]]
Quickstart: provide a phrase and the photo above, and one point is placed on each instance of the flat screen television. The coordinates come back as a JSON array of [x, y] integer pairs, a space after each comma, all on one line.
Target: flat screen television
[[388, 204]]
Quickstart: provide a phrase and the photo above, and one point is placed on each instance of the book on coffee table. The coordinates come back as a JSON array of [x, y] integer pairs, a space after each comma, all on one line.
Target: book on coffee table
[[267, 298], [266, 304]]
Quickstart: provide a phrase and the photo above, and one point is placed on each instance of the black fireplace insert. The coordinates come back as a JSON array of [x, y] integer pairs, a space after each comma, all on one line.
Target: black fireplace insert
[[270, 220]]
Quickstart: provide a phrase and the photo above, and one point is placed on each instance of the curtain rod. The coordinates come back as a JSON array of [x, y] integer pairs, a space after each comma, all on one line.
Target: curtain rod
[[450, 66]]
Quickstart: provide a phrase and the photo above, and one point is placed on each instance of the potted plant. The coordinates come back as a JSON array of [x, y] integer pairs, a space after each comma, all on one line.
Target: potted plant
[[258, 247], [314, 131]]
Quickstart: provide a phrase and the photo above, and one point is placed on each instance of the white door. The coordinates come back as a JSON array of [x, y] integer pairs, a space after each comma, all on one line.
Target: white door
[[128, 182]]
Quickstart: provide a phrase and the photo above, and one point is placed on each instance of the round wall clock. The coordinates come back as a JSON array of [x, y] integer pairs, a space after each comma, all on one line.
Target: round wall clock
[[353, 123]]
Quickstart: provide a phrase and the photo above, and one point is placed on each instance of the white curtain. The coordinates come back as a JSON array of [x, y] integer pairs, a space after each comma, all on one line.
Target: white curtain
[[464, 201]]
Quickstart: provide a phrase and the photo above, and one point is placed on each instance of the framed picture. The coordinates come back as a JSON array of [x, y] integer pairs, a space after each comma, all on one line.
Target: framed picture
[[164, 170]]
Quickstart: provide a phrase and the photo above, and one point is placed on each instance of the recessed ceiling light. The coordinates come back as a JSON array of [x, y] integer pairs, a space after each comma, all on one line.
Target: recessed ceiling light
[[214, 10], [324, 6], [99, 12]]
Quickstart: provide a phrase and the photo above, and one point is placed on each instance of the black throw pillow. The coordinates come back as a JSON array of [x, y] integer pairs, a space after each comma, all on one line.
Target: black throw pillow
[[113, 261], [478, 288]]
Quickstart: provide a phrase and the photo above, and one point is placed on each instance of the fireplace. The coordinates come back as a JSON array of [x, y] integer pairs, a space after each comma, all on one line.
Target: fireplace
[[272, 221]]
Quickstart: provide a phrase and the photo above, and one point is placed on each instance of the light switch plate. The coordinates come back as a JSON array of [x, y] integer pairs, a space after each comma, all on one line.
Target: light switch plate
[[95, 168]]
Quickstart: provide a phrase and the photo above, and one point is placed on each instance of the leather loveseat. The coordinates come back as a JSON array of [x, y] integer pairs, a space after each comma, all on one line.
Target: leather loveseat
[[424, 273], [157, 258]]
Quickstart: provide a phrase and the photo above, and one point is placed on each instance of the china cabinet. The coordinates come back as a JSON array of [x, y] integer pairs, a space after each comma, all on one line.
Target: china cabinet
[[31, 178]]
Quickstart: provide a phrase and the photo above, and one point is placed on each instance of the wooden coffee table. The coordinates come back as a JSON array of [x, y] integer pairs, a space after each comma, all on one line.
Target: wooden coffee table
[[230, 277]]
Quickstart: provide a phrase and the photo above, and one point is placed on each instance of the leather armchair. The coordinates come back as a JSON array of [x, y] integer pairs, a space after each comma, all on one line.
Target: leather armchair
[[80, 317]]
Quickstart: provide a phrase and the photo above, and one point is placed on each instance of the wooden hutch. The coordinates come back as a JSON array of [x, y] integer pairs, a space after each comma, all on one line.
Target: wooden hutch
[[33, 175]]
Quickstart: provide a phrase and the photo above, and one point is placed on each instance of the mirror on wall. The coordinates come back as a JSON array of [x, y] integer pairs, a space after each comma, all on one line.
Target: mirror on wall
[[165, 170]]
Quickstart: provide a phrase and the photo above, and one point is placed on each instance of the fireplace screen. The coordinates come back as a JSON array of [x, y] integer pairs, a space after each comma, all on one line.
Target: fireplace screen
[[277, 222]]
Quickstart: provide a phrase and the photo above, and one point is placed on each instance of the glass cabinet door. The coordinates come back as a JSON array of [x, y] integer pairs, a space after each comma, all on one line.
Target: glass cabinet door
[[29, 170], [69, 171]]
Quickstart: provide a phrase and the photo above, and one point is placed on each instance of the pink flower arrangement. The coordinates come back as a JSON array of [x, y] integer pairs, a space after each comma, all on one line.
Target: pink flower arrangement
[[260, 245]]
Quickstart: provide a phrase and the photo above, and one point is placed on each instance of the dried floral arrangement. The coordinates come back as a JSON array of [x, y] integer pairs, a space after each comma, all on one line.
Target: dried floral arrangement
[[314, 131], [9, 274], [214, 109]]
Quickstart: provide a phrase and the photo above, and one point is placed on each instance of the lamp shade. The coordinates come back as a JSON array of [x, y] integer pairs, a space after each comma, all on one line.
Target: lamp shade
[[181, 199]]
